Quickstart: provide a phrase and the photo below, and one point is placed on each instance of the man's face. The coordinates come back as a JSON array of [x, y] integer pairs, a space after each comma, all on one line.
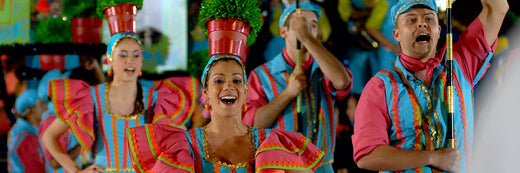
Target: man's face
[[288, 32], [418, 31]]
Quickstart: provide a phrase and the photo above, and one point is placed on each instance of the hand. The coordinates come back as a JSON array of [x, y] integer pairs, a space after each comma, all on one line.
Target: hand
[[297, 81], [447, 159], [91, 64], [91, 169], [301, 28]]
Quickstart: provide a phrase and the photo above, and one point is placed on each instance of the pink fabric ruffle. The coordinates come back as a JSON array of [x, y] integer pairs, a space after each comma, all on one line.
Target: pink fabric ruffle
[[73, 105], [289, 151], [176, 100], [160, 148]]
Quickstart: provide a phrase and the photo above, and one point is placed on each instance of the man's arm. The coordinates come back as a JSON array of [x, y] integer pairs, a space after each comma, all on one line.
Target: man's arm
[[266, 114], [492, 16], [389, 158], [371, 142], [329, 65]]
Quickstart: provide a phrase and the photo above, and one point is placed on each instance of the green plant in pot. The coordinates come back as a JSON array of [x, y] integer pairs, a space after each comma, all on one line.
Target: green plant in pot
[[197, 61], [228, 24], [120, 14], [86, 23], [52, 30]]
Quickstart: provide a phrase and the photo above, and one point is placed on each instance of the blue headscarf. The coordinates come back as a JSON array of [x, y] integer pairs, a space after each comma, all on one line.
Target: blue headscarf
[[306, 6], [404, 5], [25, 100], [114, 40], [216, 58]]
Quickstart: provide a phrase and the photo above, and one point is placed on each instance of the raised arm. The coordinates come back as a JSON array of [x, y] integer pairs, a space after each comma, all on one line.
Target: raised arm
[[265, 112], [329, 64], [492, 16]]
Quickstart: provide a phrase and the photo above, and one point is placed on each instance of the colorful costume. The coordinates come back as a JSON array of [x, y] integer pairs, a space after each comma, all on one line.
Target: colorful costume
[[84, 109], [274, 149], [67, 141], [270, 79], [388, 114], [183, 93], [24, 154]]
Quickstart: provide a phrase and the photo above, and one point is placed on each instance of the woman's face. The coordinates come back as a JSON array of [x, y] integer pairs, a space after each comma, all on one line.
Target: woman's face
[[225, 90], [127, 60]]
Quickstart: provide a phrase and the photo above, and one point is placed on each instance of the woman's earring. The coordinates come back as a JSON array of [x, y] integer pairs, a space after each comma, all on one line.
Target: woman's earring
[[109, 72], [244, 108], [140, 73], [207, 106]]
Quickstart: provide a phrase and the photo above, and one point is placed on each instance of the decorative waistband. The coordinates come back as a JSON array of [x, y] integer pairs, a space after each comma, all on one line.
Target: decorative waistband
[[118, 170]]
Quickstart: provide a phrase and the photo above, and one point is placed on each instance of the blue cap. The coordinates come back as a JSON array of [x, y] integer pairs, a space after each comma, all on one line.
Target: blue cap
[[404, 5], [216, 58], [306, 6], [25, 100], [114, 40], [43, 85]]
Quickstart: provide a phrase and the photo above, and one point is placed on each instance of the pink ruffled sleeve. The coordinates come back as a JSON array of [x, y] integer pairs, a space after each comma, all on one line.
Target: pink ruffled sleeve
[[73, 105], [160, 148], [287, 150], [176, 100]]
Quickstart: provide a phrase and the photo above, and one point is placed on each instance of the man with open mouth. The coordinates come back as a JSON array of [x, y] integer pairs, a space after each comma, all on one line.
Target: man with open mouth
[[401, 118]]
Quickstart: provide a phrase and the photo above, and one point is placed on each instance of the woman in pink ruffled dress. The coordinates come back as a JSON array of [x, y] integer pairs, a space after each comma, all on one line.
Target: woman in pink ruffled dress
[[225, 144]]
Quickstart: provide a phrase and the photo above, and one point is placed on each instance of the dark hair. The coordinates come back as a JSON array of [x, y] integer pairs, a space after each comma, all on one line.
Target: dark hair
[[138, 102], [206, 78], [286, 24]]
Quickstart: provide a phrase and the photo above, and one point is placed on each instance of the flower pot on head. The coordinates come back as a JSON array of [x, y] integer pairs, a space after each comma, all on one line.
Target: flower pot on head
[[86, 30], [121, 18], [52, 61], [228, 36]]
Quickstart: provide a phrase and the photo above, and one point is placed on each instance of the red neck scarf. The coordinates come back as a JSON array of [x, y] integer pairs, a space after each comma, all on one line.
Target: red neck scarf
[[414, 64], [289, 61]]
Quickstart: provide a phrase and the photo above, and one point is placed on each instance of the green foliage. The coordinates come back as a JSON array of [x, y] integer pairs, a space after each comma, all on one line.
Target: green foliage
[[102, 4], [197, 61], [80, 8], [53, 30], [246, 10]]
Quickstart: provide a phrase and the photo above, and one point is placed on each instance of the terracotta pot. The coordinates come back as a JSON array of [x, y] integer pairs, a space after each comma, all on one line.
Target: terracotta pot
[[86, 30], [228, 36], [121, 18], [52, 61]]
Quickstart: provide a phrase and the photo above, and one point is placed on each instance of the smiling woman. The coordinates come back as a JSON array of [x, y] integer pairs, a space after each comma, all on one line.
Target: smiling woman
[[226, 144], [99, 115]]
